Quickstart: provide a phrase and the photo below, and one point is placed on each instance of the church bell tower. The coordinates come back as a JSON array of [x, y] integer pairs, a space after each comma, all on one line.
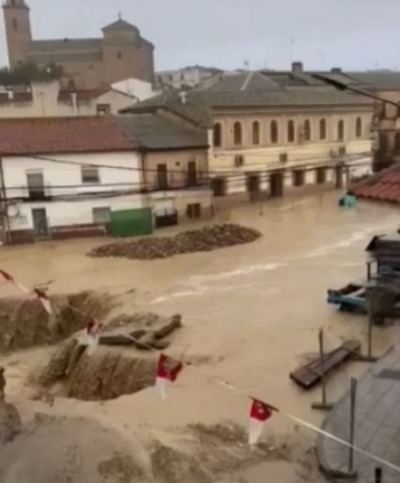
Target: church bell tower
[[18, 30]]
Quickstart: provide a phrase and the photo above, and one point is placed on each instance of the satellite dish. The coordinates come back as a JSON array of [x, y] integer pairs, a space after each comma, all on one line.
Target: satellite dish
[[13, 210]]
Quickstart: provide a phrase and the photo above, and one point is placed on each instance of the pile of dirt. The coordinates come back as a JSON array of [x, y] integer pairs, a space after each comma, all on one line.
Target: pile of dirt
[[105, 375], [73, 450], [24, 323], [110, 375], [10, 422], [206, 239], [172, 466]]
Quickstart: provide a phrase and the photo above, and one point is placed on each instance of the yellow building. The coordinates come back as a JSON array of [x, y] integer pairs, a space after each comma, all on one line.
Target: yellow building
[[273, 130]]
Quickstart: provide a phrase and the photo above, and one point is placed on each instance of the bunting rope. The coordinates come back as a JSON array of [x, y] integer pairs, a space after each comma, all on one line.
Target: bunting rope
[[169, 369]]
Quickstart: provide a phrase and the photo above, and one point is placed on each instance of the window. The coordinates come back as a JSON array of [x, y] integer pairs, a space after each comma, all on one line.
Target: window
[[397, 141], [103, 109], [237, 134], [320, 175], [217, 135], [283, 158], [35, 181], [322, 129], [290, 131], [340, 130], [162, 176], [90, 66], [15, 24], [307, 130], [298, 177], [256, 132], [192, 174], [119, 55], [274, 132], [193, 210], [239, 160], [101, 215], [358, 127], [90, 175]]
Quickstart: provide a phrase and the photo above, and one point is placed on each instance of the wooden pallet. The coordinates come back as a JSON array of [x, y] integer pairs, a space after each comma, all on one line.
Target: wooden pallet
[[309, 374]]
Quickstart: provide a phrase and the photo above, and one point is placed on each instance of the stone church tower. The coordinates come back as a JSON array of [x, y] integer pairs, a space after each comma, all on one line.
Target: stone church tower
[[18, 30]]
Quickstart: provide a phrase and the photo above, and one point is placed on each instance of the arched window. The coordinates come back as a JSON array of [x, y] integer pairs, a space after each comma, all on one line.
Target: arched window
[[15, 24], [256, 132], [217, 135], [358, 127], [290, 131], [340, 130], [274, 132], [322, 129], [307, 130], [237, 134]]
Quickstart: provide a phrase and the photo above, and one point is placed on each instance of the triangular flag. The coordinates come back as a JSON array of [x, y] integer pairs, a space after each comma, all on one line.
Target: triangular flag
[[44, 300], [260, 412], [167, 372], [93, 329]]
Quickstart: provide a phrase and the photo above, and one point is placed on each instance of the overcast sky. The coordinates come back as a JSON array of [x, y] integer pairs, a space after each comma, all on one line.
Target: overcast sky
[[353, 34]]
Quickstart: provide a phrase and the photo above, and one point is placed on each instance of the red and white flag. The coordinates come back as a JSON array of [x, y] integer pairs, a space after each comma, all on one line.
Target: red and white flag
[[93, 329], [167, 372], [7, 278], [43, 299], [260, 412]]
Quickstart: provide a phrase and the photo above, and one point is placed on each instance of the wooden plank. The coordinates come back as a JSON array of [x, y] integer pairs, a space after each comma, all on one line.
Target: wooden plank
[[310, 374]]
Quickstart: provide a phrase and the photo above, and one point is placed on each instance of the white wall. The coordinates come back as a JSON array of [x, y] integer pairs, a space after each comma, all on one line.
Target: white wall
[[139, 89], [68, 177]]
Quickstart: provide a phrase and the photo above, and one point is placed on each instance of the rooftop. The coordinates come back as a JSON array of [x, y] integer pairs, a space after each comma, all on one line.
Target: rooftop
[[148, 132], [383, 186], [251, 90], [20, 137], [157, 132]]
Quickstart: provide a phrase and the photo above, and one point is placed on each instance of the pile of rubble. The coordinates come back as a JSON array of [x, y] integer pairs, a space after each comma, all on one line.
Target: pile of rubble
[[206, 239]]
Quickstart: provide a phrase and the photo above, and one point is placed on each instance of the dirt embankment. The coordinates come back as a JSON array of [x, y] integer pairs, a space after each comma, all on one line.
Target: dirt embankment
[[109, 372], [60, 449], [206, 239], [24, 323]]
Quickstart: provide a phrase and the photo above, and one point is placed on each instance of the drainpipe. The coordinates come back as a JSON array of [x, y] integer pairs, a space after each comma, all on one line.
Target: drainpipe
[[6, 223]]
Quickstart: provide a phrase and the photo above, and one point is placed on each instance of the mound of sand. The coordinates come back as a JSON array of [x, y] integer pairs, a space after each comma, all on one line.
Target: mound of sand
[[10, 422], [24, 323], [73, 450], [206, 239]]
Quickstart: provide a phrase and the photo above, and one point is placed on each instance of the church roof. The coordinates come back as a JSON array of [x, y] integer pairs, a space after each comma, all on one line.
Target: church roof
[[120, 25]]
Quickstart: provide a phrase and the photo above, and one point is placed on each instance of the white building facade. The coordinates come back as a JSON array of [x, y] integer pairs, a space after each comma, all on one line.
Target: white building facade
[[68, 196]]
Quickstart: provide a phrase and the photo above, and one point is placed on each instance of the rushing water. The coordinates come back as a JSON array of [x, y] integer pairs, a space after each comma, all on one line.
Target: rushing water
[[253, 310]]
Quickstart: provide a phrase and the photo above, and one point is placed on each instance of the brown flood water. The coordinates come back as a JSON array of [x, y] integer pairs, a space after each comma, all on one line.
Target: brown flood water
[[252, 313]]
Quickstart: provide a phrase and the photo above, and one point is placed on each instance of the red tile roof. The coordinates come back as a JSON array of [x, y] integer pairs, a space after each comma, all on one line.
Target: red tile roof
[[61, 135], [384, 186]]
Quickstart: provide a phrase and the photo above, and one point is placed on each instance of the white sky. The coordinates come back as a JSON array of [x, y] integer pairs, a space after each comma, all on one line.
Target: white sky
[[352, 34]]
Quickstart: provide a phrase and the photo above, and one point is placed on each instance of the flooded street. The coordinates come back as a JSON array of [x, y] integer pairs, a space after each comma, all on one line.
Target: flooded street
[[251, 313]]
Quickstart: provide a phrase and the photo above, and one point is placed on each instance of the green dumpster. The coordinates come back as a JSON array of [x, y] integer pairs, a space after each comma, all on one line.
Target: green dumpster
[[132, 222]]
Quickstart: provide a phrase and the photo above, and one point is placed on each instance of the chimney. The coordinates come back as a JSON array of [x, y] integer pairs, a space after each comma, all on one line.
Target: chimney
[[336, 70], [297, 67]]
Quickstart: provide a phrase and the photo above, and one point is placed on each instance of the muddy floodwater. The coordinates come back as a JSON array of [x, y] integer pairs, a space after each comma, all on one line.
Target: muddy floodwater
[[251, 313]]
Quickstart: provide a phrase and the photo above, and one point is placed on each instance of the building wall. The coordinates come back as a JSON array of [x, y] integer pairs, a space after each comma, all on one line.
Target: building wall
[[65, 180], [177, 163], [45, 103], [305, 155]]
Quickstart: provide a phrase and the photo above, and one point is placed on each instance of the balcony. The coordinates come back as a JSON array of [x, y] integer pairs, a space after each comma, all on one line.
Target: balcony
[[36, 193]]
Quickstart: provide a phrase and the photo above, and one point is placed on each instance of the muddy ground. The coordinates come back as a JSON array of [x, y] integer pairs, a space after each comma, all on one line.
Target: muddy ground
[[251, 314]]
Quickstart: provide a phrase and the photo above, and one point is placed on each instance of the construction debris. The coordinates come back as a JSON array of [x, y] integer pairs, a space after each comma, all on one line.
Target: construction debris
[[206, 239]]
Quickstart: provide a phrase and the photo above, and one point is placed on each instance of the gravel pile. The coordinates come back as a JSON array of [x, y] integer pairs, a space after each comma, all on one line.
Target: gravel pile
[[206, 239]]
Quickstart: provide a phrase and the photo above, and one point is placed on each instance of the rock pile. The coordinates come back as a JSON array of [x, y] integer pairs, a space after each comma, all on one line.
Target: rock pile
[[206, 239]]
